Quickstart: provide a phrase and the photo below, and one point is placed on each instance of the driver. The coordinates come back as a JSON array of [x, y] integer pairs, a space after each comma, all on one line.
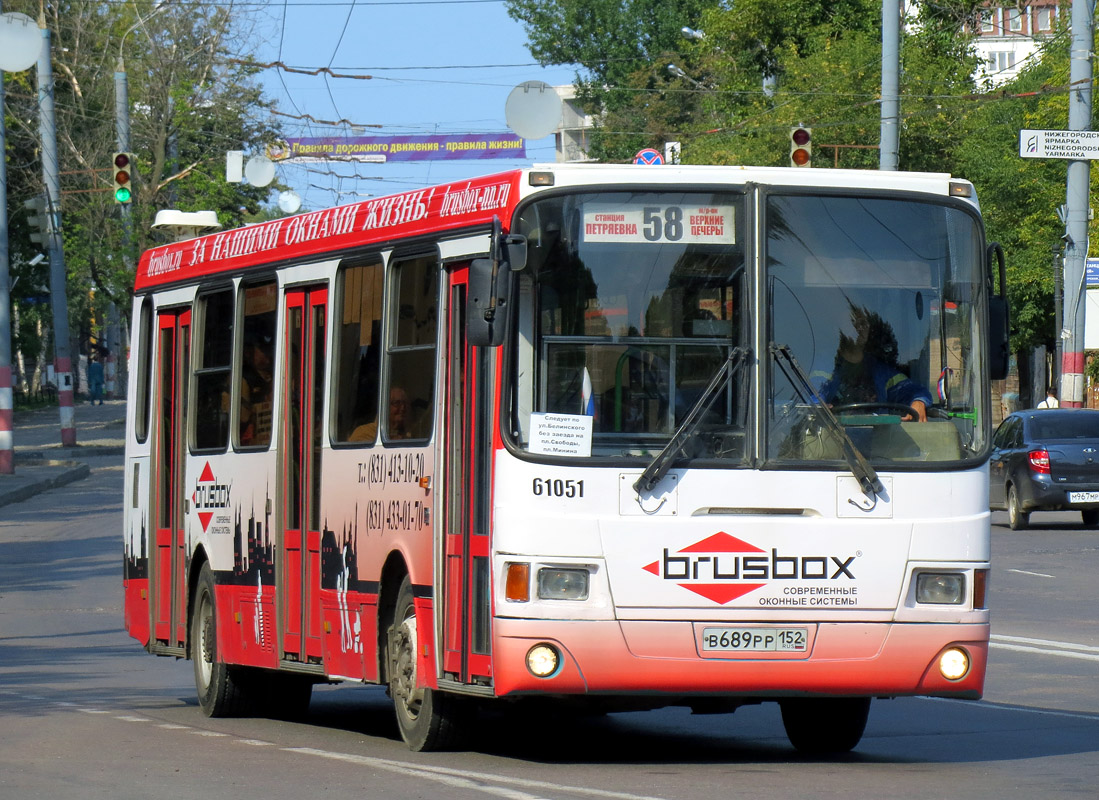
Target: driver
[[860, 377]]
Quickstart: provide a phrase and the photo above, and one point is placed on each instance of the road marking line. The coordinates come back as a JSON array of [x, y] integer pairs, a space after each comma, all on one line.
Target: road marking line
[[129, 718], [1044, 642], [1005, 707], [1019, 648], [171, 726], [254, 742], [466, 779], [1028, 572], [211, 734]]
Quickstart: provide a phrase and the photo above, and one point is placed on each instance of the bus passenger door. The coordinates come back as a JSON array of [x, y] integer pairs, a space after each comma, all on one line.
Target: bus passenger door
[[303, 404], [467, 612], [168, 580]]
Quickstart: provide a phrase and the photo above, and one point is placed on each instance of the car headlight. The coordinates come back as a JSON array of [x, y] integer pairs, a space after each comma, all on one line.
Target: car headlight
[[940, 588], [555, 583]]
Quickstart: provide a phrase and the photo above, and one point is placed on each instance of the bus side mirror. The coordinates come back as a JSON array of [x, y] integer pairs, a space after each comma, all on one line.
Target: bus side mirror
[[998, 333], [999, 322], [486, 306]]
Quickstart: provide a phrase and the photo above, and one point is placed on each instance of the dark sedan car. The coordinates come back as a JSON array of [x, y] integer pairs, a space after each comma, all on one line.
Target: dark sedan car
[[1046, 460]]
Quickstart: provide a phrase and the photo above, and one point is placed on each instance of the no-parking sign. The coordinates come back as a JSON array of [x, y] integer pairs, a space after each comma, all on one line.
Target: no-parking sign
[[648, 156]]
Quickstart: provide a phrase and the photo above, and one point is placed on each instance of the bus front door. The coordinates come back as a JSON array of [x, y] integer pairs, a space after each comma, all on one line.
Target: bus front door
[[301, 474], [467, 443], [168, 579]]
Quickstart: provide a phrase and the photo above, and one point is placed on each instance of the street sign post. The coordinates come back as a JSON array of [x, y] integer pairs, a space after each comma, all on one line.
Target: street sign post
[[1073, 145]]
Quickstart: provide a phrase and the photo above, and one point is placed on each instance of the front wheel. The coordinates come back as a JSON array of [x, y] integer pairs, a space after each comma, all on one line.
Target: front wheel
[[219, 693], [1016, 517], [427, 718], [825, 725]]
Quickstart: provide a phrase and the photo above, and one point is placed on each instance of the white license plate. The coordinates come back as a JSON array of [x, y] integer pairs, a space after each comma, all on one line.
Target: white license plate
[[787, 640], [1083, 497]]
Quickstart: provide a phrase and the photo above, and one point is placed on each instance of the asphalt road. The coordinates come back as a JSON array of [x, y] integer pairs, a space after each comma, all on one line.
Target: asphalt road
[[85, 713]]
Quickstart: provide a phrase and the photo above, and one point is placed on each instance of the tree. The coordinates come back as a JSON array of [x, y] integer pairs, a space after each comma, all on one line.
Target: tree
[[189, 103]]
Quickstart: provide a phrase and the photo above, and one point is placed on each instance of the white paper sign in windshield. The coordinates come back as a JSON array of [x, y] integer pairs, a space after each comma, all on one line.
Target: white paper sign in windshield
[[658, 224]]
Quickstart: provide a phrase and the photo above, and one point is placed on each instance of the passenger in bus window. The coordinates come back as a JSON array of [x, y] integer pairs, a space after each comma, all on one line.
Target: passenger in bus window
[[399, 422], [256, 393], [866, 372]]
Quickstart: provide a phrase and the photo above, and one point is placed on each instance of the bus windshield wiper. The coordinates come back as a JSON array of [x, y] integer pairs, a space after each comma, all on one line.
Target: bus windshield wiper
[[676, 446], [860, 467]]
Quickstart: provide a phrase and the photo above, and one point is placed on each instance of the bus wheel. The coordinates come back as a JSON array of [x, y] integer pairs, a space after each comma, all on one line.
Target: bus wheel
[[427, 718], [825, 725], [219, 695]]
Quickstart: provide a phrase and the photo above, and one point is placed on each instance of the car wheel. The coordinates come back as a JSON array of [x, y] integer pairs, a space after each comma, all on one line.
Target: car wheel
[[1091, 517], [1016, 517]]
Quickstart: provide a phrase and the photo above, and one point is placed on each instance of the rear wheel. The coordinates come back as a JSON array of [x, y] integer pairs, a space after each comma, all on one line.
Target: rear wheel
[[428, 719], [1016, 517], [1091, 517], [219, 692], [825, 725]]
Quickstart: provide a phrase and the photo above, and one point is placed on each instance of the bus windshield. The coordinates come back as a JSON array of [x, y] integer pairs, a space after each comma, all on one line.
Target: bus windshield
[[630, 303], [879, 301]]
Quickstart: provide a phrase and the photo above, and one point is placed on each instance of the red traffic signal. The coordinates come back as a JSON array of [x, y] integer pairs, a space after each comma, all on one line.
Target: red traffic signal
[[801, 146]]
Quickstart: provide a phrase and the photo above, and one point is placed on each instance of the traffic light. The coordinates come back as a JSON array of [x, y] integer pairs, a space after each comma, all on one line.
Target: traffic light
[[38, 219], [801, 146], [123, 177]]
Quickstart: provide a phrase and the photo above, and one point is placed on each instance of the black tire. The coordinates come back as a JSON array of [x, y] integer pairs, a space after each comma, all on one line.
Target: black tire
[[1090, 517], [428, 719], [280, 695], [220, 694], [1016, 517], [825, 725]]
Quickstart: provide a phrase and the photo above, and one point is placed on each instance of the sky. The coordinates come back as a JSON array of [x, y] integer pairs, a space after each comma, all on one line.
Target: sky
[[435, 67]]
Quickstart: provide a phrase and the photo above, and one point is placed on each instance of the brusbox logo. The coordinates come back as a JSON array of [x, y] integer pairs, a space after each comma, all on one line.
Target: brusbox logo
[[209, 494], [722, 567]]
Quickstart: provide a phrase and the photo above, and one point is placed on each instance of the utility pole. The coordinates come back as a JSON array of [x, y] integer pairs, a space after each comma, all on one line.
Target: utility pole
[[122, 140], [51, 177], [888, 157], [1077, 204], [7, 400]]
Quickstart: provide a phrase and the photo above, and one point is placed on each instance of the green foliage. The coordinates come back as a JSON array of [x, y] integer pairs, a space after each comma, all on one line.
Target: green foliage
[[189, 102], [821, 61]]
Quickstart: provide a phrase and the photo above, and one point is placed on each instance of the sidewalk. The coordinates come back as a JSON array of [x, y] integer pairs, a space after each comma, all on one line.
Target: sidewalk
[[41, 462]]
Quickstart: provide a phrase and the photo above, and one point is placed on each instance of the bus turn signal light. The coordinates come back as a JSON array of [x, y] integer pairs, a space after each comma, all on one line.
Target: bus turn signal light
[[517, 583]]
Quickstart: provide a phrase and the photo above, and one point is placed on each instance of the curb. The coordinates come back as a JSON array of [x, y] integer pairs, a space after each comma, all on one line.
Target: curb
[[72, 472]]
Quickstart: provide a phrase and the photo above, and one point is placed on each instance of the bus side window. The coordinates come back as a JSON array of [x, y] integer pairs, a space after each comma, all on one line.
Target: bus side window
[[144, 362], [411, 388], [258, 359], [358, 353], [213, 370]]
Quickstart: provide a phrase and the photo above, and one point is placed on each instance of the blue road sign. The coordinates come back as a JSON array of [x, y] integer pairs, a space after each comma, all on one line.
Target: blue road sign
[[648, 156]]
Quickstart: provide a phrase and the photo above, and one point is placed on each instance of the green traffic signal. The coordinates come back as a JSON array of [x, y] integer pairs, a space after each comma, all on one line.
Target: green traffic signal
[[123, 177]]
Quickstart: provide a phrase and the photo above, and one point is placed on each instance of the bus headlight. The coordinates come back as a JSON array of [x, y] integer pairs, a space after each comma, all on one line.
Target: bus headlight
[[555, 583], [543, 660], [940, 588], [954, 663]]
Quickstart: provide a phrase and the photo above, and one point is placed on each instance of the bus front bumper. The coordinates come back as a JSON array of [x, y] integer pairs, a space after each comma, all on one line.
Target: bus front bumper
[[639, 658]]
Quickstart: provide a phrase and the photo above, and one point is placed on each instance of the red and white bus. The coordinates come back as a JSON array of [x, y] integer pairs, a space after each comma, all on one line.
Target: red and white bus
[[575, 431]]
